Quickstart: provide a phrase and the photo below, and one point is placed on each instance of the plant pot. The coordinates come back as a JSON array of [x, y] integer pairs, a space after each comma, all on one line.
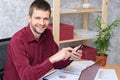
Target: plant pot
[[103, 58]]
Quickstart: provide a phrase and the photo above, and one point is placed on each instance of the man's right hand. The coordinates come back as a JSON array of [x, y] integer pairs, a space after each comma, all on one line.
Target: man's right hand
[[63, 54]]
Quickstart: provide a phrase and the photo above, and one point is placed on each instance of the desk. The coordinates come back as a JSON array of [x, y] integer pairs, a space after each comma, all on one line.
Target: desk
[[108, 66], [112, 66]]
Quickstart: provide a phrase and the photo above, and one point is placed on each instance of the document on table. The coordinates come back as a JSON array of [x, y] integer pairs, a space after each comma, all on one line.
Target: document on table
[[62, 75], [106, 74], [78, 66], [72, 72]]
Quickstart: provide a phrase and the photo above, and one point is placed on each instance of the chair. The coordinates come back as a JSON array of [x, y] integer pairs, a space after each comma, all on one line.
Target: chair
[[1, 73], [3, 52]]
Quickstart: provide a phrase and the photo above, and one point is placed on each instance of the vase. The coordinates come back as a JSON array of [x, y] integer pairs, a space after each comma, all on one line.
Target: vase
[[103, 58]]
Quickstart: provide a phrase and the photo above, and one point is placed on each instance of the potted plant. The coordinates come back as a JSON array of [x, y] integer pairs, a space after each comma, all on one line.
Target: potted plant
[[105, 33]]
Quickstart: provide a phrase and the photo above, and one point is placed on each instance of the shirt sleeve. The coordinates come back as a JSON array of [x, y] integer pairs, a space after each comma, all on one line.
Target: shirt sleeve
[[62, 64], [20, 61]]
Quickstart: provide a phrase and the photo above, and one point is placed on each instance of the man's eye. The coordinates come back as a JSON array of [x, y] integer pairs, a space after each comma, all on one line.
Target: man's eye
[[46, 19], [37, 18]]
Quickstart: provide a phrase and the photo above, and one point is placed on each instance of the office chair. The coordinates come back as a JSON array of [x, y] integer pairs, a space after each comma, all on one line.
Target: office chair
[[3, 53], [1, 74]]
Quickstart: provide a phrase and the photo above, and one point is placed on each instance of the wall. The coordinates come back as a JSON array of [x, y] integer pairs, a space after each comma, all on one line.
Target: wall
[[13, 16]]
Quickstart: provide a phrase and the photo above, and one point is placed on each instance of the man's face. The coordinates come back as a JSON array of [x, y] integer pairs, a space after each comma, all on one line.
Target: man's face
[[39, 21]]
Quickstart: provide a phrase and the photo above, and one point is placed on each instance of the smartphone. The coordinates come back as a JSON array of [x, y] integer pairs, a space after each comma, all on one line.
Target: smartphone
[[79, 47], [76, 51]]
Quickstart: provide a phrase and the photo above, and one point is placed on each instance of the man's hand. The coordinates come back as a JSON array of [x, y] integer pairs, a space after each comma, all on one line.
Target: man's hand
[[76, 54], [63, 54]]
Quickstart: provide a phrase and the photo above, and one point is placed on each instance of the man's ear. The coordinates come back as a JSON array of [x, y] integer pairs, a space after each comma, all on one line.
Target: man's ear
[[29, 18]]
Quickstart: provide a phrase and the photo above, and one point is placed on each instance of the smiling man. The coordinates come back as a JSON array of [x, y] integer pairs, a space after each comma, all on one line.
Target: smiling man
[[32, 51]]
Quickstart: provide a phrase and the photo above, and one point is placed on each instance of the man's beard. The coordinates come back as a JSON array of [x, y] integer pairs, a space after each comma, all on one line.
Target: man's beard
[[36, 29]]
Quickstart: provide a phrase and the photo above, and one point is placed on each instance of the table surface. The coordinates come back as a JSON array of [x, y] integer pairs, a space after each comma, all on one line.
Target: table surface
[[113, 66], [109, 66]]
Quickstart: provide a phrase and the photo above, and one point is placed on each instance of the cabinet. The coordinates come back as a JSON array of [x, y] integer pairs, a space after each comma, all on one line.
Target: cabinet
[[57, 12]]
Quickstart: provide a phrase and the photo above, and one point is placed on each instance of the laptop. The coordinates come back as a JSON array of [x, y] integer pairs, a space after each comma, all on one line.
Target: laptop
[[88, 73]]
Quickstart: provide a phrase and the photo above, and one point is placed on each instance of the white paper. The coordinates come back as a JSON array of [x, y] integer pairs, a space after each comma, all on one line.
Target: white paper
[[106, 74], [62, 75], [78, 66]]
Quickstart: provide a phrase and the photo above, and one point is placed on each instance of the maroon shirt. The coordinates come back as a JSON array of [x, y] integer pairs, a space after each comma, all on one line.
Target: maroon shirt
[[28, 59]]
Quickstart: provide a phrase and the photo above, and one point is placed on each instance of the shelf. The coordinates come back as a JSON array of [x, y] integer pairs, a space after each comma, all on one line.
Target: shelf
[[57, 11], [80, 10], [77, 38]]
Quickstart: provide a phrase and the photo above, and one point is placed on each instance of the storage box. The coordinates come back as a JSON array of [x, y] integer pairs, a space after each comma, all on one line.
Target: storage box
[[89, 53], [66, 31]]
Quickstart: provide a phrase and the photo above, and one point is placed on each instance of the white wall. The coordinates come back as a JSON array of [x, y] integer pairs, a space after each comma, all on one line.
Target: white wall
[[13, 16]]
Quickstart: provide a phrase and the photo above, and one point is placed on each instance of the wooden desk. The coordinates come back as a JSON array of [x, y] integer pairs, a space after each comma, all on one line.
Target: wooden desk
[[112, 66], [108, 66]]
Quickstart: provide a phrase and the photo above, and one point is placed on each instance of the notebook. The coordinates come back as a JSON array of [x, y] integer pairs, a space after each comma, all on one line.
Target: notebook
[[88, 73]]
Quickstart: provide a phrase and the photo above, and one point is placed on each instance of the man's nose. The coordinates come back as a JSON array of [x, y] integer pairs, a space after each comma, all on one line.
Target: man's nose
[[41, 22]]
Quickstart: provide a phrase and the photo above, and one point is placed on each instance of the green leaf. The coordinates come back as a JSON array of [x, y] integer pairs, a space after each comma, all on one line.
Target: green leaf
[[103, 40], [97, 22]]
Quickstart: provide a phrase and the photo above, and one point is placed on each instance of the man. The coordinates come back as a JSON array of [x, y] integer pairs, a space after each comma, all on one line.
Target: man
[[32, 51]]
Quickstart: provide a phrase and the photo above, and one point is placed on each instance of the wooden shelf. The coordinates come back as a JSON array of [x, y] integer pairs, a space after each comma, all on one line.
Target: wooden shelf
[[80, 10], [77, 38], [57, 11]]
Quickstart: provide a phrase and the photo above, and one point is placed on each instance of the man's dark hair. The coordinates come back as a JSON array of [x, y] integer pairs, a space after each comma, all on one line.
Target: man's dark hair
[[39, 4]]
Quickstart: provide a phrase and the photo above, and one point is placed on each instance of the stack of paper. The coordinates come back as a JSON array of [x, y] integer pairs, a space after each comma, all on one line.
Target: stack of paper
[[78, 66]]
